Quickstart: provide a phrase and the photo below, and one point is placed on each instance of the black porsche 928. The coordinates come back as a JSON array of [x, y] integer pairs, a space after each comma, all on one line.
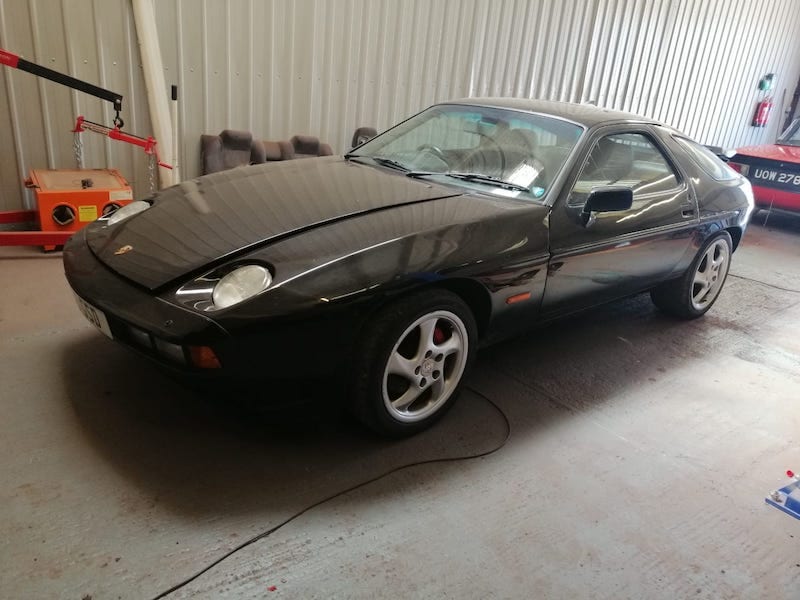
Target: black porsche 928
[[388, 267]]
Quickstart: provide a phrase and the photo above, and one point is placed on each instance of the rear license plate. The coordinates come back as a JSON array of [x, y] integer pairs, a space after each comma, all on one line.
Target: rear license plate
[[775, 178], [95, 316]]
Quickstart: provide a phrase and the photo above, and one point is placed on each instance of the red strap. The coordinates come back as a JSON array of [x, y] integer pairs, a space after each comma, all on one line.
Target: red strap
[[6, 58]]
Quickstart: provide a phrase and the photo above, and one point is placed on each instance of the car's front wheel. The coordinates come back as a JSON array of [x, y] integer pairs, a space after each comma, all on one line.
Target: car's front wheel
[[695, 292], [410, 363]]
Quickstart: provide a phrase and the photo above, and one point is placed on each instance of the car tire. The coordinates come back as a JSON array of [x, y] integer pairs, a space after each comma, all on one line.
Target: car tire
[[694, 293], [411, 361]]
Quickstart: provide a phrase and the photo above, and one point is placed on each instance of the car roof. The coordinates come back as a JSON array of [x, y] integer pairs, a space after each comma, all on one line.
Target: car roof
[[583, 114]]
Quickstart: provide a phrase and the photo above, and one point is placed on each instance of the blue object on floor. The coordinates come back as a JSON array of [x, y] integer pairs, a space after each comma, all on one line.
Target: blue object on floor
[[787, 499]]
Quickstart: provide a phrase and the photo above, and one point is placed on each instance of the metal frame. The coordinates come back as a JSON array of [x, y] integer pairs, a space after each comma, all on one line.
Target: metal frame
[[29, 238]]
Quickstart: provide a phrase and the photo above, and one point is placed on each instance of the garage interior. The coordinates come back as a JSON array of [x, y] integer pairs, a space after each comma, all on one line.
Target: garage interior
[[619, 453]]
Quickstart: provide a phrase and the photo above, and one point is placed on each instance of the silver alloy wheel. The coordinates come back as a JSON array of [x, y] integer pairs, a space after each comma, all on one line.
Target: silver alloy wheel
[[710, 274], [425, 366]]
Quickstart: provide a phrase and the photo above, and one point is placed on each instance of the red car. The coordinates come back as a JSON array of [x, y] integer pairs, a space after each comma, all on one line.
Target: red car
[[774, 170]]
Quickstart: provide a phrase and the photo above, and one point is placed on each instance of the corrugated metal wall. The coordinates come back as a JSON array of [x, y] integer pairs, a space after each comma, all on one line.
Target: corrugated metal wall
[[325, 67]]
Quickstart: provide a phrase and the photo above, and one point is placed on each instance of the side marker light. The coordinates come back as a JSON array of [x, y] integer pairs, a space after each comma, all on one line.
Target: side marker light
[[518, 298]]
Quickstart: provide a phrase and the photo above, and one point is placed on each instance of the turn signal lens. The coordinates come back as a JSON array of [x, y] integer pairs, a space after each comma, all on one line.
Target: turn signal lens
[[204, 357]]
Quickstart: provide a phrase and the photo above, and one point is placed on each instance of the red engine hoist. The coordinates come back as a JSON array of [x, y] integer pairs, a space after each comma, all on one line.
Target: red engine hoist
[[148, 144], [115, 133]]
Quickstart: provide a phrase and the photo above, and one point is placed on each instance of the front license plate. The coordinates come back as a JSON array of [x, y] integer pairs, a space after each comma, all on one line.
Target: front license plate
[[95, 316], [775, 178]]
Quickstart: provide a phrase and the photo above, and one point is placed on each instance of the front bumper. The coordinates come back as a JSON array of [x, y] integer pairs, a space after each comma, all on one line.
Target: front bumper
[[289, 347], [148, 324]]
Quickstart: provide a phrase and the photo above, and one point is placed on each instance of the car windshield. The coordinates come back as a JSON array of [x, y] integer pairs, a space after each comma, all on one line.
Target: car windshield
[[504, 152], [791, 137]]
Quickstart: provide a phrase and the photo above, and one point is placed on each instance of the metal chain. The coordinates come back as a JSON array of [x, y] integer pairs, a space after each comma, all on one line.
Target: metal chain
[[77, 149], [151, 168]]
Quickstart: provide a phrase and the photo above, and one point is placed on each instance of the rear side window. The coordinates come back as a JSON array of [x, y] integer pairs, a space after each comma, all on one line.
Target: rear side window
[[707, 160]]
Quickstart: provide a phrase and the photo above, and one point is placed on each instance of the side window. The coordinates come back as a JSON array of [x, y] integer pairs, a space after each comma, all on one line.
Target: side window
[[707, 160], [628, 159]]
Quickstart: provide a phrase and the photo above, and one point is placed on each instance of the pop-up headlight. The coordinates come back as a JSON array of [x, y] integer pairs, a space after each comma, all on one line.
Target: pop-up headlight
[[126, 211], [224, 287], [240, 284]]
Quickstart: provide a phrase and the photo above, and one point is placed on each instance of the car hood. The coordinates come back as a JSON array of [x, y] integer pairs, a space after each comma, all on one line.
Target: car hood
[[205, 221], [772, 152]]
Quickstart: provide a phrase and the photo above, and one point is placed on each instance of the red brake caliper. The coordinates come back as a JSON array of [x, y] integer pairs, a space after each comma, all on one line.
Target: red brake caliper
[[438, 336]]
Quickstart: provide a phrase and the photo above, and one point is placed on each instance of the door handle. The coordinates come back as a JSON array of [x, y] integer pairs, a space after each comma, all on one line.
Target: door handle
[[689, 209]]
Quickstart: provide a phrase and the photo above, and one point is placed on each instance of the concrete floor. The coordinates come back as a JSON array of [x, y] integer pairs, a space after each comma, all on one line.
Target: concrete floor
[[640, 453]]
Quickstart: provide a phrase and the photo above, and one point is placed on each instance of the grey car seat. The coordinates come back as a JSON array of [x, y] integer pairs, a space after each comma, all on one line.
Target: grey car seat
[[229, 149], [306, 146]]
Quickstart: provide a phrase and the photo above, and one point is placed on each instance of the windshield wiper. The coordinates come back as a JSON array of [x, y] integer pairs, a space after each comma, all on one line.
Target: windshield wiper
[[381, 160], [389, 162], [509, 185], [480, 177]]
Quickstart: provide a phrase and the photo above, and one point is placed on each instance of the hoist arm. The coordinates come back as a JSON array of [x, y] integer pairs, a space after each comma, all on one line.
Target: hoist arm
[[14, 61], [148, 143]]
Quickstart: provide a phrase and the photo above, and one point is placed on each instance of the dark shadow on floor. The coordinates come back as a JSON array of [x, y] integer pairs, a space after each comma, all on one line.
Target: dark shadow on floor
[[789, 223], [198, 455]]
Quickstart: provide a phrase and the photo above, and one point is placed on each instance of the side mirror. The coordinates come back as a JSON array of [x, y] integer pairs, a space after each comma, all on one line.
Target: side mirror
[[606, 199]]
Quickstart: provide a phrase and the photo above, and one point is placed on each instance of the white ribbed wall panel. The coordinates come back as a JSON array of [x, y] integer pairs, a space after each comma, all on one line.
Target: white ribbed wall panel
[[325, 67]]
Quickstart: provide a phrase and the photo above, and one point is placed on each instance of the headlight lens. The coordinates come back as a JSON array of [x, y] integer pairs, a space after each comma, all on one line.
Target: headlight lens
[[126, 211], [240, 284]]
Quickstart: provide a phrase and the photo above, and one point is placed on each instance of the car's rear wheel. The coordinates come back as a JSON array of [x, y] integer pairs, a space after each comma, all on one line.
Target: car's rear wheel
[[691, 295], [411, 361]]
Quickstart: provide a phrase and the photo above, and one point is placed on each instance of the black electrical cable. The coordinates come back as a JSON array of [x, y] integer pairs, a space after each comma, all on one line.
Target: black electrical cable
[[271, 530], [770, 285]]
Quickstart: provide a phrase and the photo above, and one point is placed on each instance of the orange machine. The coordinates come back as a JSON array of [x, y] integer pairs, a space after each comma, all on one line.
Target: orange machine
[[68, 199]]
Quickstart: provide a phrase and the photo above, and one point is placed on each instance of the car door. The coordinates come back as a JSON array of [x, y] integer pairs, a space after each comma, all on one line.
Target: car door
[[605, 255]]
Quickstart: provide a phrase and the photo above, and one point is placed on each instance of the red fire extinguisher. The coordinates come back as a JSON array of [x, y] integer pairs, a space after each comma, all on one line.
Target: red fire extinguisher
[[761, 115]]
